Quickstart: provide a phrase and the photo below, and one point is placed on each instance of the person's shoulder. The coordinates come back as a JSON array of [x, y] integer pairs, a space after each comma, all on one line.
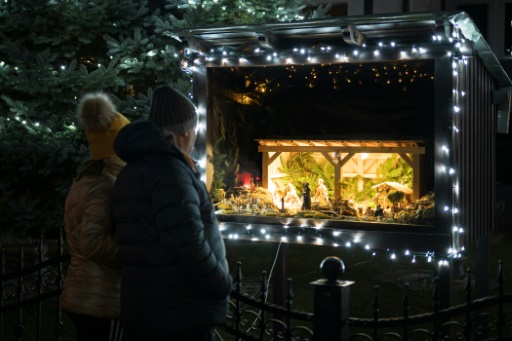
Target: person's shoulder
[[94, 185]]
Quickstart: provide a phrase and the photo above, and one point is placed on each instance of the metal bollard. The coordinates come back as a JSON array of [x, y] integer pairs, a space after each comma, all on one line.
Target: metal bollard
[[331, 302]]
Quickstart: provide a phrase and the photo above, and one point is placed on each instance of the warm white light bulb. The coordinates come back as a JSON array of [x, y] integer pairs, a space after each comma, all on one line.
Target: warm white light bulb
[[202, 163]]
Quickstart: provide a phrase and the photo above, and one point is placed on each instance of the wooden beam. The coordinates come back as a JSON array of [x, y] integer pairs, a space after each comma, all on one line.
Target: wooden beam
[[337, 174], [368, 164], [273, 158], [345, 159], [329, 158], [406, 159], [354, 150]]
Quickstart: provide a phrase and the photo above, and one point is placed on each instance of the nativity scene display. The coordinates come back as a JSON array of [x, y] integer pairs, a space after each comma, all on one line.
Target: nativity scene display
[[347, 142], [370, 187]]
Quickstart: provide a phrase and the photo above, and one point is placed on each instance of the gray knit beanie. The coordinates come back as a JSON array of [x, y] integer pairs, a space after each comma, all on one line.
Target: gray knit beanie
[[172, 111]]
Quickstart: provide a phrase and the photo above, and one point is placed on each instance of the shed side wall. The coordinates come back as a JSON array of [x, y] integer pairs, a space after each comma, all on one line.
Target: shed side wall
[[477, 163]]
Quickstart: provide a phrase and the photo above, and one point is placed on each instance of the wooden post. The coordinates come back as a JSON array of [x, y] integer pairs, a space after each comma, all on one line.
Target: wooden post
[[337, 179], [264, 170], [416, 176]]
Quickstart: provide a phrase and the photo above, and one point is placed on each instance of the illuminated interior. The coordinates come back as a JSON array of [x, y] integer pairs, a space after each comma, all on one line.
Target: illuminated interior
[[339, 121]]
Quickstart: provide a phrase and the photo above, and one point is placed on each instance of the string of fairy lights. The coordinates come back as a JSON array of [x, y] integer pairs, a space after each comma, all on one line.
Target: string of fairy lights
[[459, 65], [323, 236], [457, 47]]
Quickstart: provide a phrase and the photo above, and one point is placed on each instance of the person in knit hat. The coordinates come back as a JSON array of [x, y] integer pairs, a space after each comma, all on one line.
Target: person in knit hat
[[91, 291], [176, 282], [102, 123]]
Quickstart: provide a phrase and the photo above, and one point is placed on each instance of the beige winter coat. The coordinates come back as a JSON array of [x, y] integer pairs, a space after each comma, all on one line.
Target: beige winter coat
[[92, 281]]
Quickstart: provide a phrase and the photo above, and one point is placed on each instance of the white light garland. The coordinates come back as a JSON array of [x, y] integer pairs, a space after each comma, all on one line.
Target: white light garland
[[324, 237], [218, 56]]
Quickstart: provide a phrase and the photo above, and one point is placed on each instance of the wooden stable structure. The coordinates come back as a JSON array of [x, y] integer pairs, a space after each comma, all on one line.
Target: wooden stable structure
[[471, 104], [338, 153]]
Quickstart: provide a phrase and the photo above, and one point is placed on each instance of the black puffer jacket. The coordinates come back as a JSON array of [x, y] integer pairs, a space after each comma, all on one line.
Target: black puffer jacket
[[174, 274]]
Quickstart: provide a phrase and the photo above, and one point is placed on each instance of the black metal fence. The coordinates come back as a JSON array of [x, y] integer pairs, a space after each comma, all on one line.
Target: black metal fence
[[31, 282], [32, 274]]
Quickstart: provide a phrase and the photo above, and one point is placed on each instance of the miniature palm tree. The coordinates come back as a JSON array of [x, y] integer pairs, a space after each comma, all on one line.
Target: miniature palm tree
[[395, 198], [303, 167]]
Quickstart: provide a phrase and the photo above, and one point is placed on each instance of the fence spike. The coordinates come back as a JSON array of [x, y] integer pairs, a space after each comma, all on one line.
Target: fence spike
[[264, 286], [375, 311], [500, 278], [405, 299], [435, 300], [289, 296], [263, 298], [468, 288], [39, 285], [2, 272], [19, 292], [289, 300], [59, 326], [501, 291], [405, 304], [238, 277], [238, 281]]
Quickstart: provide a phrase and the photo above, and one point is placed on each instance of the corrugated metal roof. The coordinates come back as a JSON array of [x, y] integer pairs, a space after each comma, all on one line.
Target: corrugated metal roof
[[403, 29]]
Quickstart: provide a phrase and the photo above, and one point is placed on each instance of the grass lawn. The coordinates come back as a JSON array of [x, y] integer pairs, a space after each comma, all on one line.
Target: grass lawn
[[302, 264]]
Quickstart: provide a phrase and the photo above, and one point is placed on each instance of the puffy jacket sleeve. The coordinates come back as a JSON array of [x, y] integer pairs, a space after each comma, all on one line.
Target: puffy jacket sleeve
[[176, 204], [97, 241]]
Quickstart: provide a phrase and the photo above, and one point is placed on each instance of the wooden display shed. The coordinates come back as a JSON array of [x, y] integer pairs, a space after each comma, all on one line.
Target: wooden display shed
[[471, 105]]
